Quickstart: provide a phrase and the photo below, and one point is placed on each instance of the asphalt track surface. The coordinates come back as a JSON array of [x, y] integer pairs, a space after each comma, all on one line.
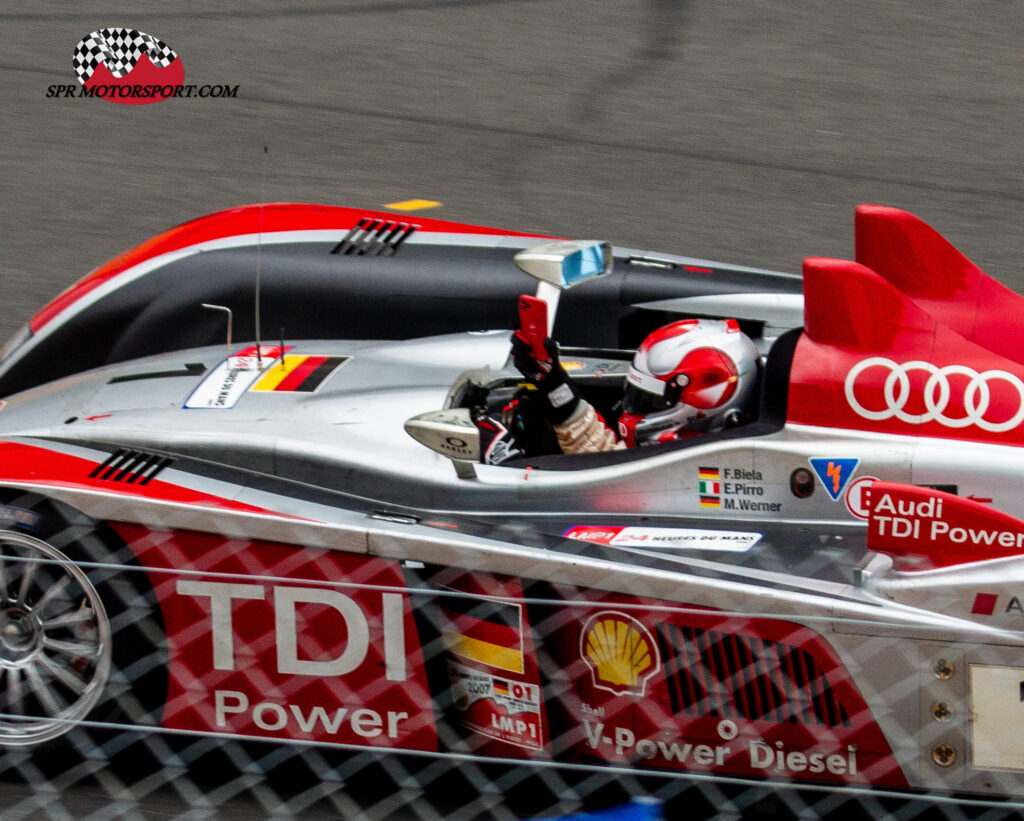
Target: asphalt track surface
[[742, 132]]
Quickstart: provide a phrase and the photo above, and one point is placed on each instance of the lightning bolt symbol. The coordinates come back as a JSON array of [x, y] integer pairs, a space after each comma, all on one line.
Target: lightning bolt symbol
[[834, 472]]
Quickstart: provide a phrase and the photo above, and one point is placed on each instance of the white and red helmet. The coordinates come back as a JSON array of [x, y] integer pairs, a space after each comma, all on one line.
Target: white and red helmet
[[693, 376]]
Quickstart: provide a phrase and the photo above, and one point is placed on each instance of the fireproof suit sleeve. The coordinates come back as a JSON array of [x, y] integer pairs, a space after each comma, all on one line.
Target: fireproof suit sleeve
[[586, 432]]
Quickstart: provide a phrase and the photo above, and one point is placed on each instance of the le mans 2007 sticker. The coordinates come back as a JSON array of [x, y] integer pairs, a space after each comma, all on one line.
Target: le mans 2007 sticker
[[497, 707], [223, 386]]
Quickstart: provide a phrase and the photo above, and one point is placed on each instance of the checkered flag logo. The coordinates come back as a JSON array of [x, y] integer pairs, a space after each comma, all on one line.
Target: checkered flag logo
[[119, 49]]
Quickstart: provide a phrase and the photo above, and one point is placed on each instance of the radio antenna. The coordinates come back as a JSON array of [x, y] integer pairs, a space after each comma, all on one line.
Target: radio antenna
[[259, 257]]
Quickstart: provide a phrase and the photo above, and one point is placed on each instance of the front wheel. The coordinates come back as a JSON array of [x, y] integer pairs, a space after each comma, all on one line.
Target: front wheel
[[83, 655], [55, 644]]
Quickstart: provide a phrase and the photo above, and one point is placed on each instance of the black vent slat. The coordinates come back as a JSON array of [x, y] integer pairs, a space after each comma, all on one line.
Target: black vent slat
[[673, 662], [140, 470], [794, 662], [130, 466], [729, 698], [348, 242], [165, 462], [787, 675], [811, 695], [390, 233], [706, 668], [807, 684], [695, 690], [831, 713], [725, 674], [774, 682], [375, 237], [719, 668], [705, 664], [127, 467], [369, 242], [750, 685], [762, 683], [113, 464], [96, 470], [742, 676]]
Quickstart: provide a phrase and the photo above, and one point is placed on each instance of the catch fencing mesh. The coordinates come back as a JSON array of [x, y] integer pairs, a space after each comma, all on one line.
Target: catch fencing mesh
[[150, 673]]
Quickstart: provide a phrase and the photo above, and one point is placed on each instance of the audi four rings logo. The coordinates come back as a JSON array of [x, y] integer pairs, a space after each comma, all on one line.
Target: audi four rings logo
[[936, 394]]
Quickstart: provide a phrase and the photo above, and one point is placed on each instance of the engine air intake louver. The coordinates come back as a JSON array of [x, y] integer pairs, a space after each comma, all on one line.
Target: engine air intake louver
[[131, 466], [375, 237], [730, 675]]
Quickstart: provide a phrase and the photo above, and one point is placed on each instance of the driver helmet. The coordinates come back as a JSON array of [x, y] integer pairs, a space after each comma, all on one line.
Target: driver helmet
[[693, 376]]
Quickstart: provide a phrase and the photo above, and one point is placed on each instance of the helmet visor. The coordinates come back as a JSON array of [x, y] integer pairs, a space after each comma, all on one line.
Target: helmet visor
[[639, 402]]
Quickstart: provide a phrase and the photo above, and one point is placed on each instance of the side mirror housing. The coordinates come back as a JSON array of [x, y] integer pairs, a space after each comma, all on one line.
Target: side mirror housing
[[566, 263], [451, 433]]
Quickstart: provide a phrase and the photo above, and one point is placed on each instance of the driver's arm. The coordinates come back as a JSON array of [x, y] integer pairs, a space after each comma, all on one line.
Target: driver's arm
[[579, 428], [586, 432]]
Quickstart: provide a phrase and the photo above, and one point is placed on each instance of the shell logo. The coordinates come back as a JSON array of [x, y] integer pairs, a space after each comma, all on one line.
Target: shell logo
[[620, 652]]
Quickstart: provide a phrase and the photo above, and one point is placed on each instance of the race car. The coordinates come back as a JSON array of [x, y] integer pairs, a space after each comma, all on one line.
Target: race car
[[304, 540]]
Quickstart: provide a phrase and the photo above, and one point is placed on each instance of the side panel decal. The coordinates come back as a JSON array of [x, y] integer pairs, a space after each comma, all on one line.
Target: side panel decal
[[668, 686], [275, 641], [227, 383]]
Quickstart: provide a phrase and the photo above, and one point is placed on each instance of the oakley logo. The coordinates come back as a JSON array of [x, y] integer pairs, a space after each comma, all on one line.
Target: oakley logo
[[936, 394]]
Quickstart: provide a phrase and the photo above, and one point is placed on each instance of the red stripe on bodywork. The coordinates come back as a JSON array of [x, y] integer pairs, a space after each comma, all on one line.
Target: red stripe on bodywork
[[39, 466], [246, 219]]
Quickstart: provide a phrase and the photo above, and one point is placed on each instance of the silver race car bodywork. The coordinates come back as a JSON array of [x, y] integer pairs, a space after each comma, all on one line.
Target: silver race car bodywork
[[831, 593]]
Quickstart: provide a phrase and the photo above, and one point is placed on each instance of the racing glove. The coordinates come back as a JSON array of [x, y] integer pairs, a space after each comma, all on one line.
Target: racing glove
[[560, 395]]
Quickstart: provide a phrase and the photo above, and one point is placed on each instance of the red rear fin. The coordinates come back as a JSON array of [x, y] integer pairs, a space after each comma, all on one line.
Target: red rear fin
[[850, 306], [925, 266], [871, 359], [923, 529]]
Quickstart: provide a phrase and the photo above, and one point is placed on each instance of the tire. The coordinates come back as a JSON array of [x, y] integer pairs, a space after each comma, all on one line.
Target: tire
[[55, 643], [82, 649]]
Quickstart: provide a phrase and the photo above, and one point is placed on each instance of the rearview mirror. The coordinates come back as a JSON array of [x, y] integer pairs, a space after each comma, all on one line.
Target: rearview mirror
[[566, 263]]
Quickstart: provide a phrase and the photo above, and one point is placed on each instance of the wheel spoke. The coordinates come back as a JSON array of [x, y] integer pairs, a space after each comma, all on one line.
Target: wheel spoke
[[15, 694], [78, 649], [42, 692], [3, 580], [26, 582], [82, 614], [53, 591], [63, 674]]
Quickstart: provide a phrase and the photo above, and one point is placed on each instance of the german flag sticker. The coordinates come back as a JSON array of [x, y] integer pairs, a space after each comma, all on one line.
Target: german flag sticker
[[484, 630], [299, 373]]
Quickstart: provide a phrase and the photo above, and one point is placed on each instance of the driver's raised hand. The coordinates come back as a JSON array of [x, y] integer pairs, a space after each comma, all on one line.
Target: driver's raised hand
[[549, 377]]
